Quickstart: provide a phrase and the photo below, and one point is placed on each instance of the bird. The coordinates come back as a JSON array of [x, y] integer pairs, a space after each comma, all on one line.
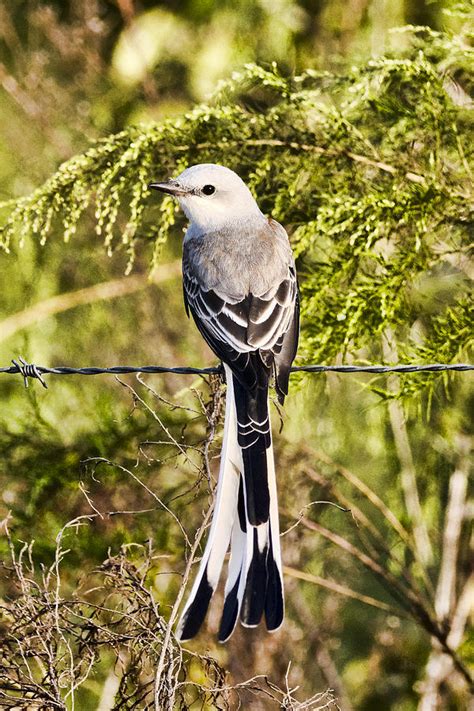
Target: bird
[[240, 286]]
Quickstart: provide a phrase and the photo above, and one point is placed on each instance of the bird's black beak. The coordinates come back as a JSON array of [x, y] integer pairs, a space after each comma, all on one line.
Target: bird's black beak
[[170, 188]]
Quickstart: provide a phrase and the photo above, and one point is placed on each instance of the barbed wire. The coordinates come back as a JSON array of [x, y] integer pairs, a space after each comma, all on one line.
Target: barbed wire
[[30, 370]]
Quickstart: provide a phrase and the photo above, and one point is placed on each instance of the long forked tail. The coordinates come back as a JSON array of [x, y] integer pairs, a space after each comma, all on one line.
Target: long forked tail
[[246, 517]]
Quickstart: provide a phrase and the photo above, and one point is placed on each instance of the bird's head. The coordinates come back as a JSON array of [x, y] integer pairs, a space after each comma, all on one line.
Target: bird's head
[[211, 196]]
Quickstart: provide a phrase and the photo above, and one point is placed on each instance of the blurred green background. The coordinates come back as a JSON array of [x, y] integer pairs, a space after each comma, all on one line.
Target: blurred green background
[[72, 72]]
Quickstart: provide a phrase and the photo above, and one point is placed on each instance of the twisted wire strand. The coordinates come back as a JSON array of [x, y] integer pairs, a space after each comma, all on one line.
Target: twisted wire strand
[[30, 370]]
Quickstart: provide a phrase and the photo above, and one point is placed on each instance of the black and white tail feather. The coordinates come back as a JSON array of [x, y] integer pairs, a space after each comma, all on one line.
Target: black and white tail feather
[[239, 284], [246, 518]]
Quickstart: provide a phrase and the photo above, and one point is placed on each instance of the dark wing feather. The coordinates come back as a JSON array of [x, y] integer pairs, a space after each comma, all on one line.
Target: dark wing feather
[[285, 353], [249, 333]]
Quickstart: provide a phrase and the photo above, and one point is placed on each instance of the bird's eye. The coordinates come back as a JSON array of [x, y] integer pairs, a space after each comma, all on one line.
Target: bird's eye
[[208, 190]]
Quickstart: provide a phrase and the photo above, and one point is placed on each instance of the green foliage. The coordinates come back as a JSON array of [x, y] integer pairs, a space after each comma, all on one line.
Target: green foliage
[[370, 171]]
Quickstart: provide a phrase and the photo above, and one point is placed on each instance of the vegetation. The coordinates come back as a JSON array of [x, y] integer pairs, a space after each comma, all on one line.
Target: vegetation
[[367, 159]]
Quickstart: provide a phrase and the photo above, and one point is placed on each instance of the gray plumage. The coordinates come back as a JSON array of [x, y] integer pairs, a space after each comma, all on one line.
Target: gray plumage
[[239, 284], [222, 268], [249, 256]]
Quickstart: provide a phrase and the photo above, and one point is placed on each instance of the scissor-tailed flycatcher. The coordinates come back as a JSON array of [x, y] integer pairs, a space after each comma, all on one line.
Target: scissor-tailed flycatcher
[[240, 286]]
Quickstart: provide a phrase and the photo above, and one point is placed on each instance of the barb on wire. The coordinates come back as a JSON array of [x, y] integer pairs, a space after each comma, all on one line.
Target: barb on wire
[[30, 370]]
